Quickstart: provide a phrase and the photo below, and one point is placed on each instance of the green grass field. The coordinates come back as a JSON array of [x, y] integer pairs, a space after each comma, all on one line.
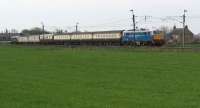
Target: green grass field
[[50, 77]]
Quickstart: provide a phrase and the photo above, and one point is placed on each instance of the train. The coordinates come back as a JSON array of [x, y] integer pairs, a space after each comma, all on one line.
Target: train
[[98, 38]]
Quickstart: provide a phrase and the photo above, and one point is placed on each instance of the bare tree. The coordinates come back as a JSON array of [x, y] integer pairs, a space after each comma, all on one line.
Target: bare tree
[[165, 29]]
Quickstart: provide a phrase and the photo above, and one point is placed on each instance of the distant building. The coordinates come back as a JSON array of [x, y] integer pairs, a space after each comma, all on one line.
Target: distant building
[[198, 35], [4, 38], [197, 38], [7, 36], [176, 36]]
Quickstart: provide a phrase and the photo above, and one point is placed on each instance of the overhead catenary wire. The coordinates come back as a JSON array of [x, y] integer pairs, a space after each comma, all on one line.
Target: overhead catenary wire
[[117, 23]]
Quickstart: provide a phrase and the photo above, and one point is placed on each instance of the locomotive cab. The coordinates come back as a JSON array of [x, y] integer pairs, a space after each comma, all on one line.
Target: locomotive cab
[[158, 38]]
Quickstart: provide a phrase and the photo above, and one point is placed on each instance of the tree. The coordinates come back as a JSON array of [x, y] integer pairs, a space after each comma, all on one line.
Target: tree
[[59, 31], [34, 31], [25, 32], [165, 29]]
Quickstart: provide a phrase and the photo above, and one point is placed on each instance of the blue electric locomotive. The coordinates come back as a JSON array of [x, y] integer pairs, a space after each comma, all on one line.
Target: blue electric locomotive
[[137, 37]]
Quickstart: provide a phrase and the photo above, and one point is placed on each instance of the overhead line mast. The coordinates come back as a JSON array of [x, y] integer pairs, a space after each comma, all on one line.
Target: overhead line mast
[[134, 23], [43, 32], [184, 17]]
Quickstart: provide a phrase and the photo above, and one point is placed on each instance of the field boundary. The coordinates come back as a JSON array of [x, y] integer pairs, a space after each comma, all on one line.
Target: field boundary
[[115, 48]]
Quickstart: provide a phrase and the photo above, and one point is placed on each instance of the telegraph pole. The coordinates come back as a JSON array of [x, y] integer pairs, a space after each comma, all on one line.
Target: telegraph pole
[[134, 24], [77, 27], [145, 18], [184, 17]]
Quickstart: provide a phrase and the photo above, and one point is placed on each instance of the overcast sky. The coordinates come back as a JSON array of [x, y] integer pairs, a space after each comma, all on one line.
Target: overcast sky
[[98, 14]]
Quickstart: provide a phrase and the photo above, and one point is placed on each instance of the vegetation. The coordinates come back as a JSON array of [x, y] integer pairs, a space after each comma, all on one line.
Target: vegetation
[[191, 45], [51, 77], [34, 31]]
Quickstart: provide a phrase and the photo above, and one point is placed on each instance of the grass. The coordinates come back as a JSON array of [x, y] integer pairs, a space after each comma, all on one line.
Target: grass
[[50, 77], [179, 45]]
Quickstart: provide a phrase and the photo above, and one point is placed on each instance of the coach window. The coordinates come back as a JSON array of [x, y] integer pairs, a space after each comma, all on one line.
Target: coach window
[[107, 36]]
